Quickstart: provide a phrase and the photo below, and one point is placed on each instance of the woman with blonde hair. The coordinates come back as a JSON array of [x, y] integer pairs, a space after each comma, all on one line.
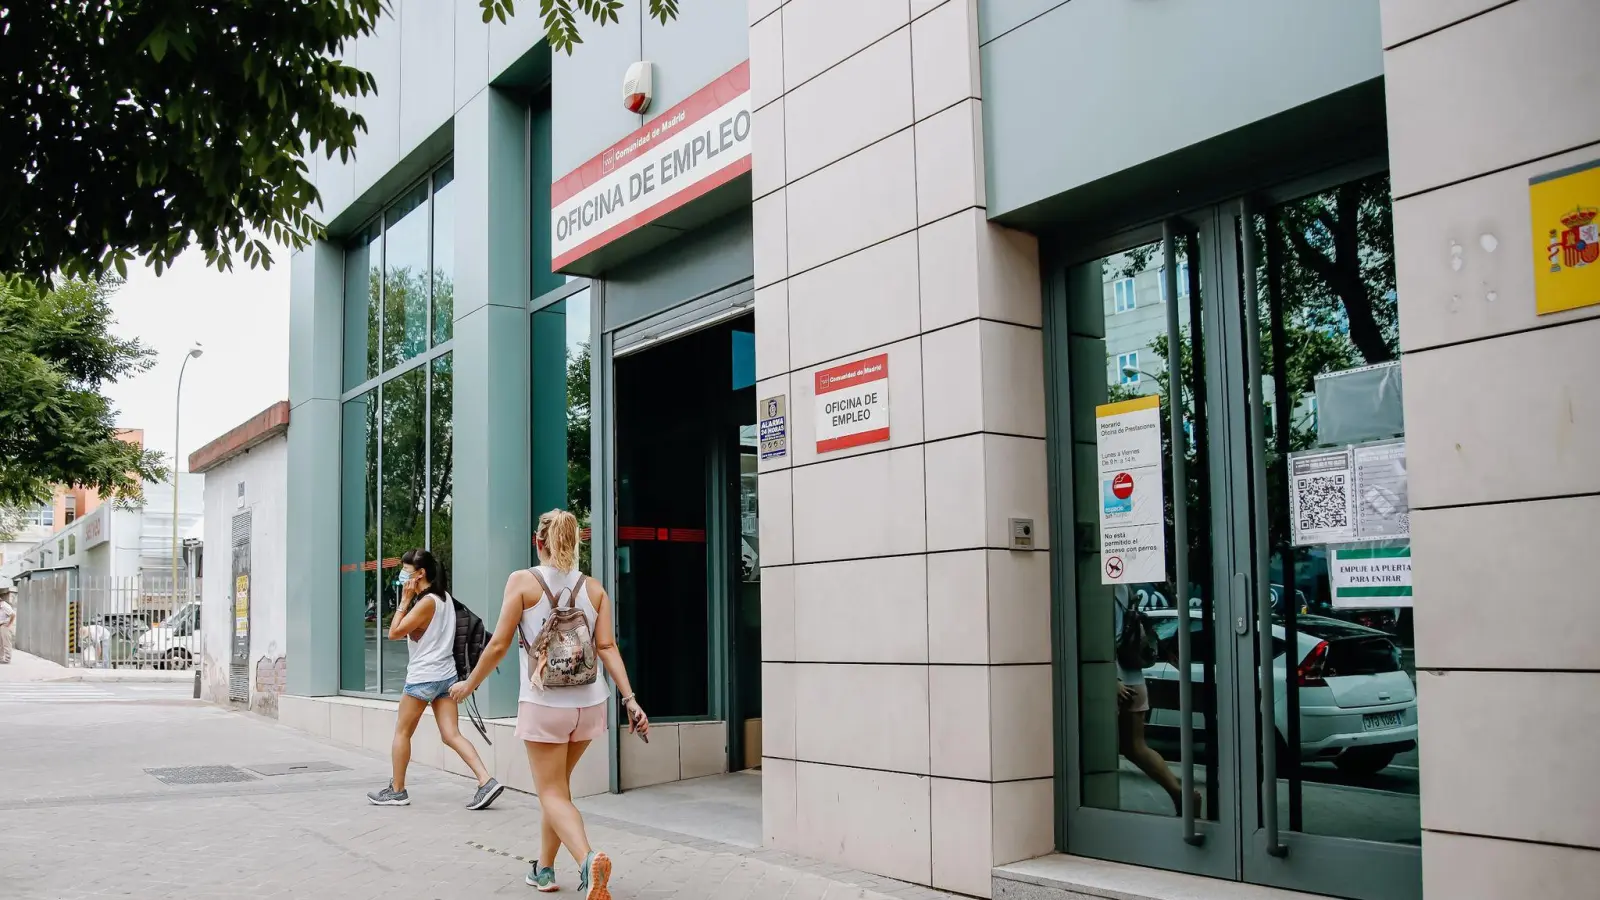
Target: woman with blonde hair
[[562, 704]]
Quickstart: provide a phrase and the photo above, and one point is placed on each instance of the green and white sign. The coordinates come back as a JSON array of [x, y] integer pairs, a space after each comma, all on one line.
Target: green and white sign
[[1370, 576]]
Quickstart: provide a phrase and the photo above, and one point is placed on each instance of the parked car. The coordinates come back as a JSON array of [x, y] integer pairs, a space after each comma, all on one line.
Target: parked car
[[175, 643], [126, 629], [1358, 707]]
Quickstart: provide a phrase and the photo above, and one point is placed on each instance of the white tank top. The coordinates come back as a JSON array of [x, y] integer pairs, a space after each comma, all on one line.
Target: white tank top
[[433, 656], [533, 621]]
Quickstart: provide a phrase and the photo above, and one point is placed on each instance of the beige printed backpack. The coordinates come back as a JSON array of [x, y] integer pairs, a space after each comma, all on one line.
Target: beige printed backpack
[[562, 654]]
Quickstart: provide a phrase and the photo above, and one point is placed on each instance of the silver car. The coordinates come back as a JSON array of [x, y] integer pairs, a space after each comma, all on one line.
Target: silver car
[[1358, 706]]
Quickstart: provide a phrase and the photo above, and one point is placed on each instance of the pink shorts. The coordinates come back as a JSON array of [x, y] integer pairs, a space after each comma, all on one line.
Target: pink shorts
[[558, 725]]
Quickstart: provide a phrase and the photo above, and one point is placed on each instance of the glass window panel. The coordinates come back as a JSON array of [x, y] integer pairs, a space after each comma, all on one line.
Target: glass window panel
[[560, 411], [1130, 719], [444, 254], [404, 502], [363, 263], [358, 546], [1346, 729], [441, 458], [405, 280]]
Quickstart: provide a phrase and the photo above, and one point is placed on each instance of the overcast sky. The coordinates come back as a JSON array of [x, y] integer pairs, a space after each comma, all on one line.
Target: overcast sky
[[241, 318]]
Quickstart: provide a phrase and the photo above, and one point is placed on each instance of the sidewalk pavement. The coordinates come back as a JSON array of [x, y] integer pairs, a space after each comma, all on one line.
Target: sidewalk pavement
[[27, 667], [84, 819]]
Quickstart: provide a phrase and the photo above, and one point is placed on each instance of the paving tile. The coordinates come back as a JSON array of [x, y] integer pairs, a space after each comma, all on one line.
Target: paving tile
[[75, 792]]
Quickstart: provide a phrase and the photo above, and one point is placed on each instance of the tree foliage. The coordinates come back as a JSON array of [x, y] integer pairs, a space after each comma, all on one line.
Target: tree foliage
[[138, 128], [12, 520], [560, 17], [56, 427], [578, 452]]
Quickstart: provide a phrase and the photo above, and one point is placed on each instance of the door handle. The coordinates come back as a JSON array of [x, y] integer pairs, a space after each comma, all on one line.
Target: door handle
[[1260, 577], [1180, 535]]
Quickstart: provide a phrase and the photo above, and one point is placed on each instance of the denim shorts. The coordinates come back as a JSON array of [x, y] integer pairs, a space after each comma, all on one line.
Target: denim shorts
[[429, 691]]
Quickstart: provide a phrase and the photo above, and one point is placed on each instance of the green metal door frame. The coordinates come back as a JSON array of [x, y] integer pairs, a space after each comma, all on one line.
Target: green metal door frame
[[1148, 840], [1235, 841]]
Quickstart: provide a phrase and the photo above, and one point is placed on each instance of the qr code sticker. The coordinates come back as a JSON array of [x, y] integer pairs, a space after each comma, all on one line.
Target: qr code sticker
[[1323, 501]]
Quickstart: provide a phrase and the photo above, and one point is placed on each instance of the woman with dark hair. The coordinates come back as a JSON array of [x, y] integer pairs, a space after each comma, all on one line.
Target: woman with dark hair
[[426, 619]]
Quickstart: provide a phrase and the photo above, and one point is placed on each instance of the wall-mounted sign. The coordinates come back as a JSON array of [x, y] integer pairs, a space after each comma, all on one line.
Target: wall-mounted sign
[[853, 404], [679, 155], [773, 415], [1133, 529], [1566, 238], [94, 528]]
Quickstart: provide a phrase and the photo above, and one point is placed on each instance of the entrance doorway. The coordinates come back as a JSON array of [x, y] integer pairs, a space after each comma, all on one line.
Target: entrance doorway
[[1269, 734], [687, 551]]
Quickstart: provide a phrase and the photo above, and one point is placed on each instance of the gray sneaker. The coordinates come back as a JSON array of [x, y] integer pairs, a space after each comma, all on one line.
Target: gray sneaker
[[389, 797], [487, 793]]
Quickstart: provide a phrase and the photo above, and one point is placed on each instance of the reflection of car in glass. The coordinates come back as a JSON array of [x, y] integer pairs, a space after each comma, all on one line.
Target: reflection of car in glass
[[1358, 707], [175, 643]]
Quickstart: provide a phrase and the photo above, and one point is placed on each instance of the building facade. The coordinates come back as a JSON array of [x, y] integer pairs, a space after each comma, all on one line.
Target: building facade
[[994, 421], [118, 541], [242, 637]]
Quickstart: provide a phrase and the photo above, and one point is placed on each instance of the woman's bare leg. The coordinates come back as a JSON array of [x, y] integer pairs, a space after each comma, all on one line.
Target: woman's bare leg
[[447, 713], [549, 842], [405, 725], [550, 765], [1130, 737]]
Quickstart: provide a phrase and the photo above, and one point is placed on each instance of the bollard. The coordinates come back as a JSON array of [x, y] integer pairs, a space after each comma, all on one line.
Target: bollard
[[197, 682]]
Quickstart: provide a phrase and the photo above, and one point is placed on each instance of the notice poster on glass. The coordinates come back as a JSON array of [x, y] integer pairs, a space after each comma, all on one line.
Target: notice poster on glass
[[1133, 533], [1374, 576], [1383, 496], [1322, 507], [1354, 493]]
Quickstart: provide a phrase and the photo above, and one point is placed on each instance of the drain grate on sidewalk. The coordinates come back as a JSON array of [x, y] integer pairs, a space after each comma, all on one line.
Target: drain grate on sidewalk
[[200, 774]]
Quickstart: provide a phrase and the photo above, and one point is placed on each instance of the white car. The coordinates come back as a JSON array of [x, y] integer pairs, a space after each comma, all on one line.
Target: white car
[[1358, 707], [175, 643]]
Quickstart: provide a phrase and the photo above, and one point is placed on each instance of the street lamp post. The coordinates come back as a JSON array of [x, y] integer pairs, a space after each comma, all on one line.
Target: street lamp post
[[195, 352]]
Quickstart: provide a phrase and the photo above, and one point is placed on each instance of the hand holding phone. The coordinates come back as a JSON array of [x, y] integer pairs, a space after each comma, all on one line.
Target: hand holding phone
[[638, 722]]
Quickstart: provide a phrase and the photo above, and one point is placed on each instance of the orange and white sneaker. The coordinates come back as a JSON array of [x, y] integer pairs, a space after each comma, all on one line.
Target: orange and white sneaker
[[595, 876]]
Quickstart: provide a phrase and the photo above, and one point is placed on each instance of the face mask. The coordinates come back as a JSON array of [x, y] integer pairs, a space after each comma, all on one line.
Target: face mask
[[401, 579]]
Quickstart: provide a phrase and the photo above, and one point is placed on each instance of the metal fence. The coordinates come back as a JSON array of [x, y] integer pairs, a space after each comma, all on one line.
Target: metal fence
[[110, 622]]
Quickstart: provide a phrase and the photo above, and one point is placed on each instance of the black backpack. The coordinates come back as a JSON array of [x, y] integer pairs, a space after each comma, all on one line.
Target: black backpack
[[471, 639], [1137, 642]]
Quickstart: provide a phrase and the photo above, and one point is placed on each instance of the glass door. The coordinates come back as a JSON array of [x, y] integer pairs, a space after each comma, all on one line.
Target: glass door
[[1152, 774], [1229, 424], [1335, 791]]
